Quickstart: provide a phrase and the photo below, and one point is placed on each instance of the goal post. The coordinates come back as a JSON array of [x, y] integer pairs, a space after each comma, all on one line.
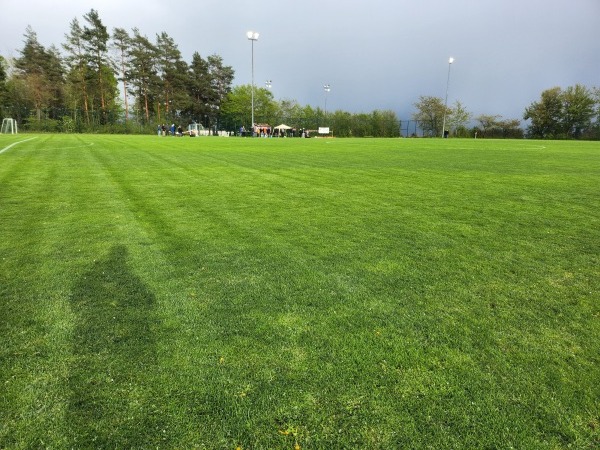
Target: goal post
[[9, 126]]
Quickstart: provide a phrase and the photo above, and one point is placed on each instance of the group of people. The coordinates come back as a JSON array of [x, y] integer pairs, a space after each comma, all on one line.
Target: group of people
[[258, 131], [162, 130], [263, 131]]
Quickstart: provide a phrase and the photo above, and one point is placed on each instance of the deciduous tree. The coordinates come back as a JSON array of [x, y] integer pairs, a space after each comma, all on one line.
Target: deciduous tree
[[3, 78], [4, 98], [385, 124], [459, 118], [487, 122], [287, 112], [430, 114], [237, 108], [561, 114], [578, 109], [509, 128]]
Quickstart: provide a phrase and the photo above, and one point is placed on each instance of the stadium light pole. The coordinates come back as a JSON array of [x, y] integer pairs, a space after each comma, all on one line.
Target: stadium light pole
[[326, 88], [450, 61], [252, 36], [268, 84]]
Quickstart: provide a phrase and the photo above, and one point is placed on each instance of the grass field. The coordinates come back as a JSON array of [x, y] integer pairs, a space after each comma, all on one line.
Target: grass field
[[321, 293]]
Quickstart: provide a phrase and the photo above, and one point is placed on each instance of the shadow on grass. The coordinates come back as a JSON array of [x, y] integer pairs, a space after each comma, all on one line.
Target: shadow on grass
[[111, 401]]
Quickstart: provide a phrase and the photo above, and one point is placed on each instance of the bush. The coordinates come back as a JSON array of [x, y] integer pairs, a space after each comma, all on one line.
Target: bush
[[67, 124], [41, 126]]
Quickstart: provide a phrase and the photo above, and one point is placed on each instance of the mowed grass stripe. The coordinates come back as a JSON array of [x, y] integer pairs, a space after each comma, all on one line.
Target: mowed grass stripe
[[337, 293], [35, 289], [60, 240]]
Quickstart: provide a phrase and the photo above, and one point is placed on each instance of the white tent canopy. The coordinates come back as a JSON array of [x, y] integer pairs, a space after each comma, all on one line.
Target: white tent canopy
[[282, 127]]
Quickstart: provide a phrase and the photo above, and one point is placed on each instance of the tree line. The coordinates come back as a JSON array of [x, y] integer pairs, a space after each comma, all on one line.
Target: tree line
[[572, 113], [236, 109], [432, 115], [122, 81], [83, 87]]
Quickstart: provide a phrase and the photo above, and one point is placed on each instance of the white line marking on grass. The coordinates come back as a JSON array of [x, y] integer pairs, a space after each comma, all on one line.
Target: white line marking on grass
[[12, 145]]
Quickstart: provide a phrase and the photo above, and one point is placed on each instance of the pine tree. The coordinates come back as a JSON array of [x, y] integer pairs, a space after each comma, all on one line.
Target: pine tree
[[77, 67], [144, 78], [122, 42], [39, 69], [221, 77], [199, 88], [95, 40], [174, 75]]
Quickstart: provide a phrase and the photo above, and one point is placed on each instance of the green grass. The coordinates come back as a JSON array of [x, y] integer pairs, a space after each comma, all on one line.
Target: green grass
[[225, 292]]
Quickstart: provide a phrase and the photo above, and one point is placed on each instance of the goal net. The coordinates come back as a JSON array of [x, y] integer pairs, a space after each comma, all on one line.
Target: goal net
[[9, 126]]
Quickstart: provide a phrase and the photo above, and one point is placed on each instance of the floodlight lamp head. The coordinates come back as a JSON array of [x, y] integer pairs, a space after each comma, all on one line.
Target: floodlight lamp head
[[451, 60], [252, 35]]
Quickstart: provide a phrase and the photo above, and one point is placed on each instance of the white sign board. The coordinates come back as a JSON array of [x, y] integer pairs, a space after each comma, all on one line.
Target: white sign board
[[323, 130]]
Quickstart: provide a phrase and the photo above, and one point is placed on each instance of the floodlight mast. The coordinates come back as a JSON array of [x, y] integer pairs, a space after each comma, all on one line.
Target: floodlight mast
[[326, 88], [450, 61], [252, 36]]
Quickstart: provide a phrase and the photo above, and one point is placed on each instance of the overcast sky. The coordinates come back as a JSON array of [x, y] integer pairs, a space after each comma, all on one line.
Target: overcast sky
[[375, 54]]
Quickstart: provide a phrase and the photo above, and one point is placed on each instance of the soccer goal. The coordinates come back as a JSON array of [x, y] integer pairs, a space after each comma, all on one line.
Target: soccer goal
[[9, 126]]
